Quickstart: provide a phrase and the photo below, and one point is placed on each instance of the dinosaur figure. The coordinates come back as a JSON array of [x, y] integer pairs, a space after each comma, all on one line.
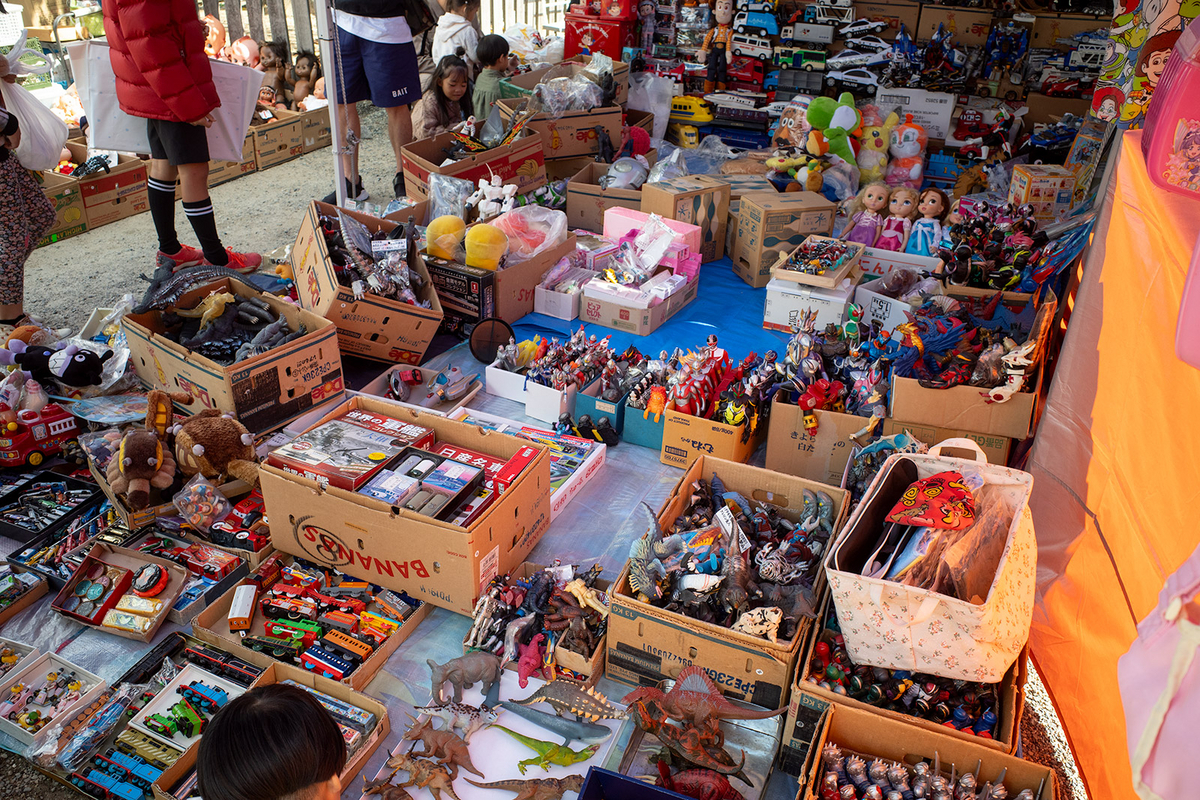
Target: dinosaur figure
[[166, 287], [531, 663], [702, 747], [549, 753], [702, 784], [695, 699], [422, 774], [536, 788], [466, 718], [587, 596], [647, 552], [208, 309], [564, 694], [570, 729], [384, 788], [735, 592], [442, 745], [463, 672]]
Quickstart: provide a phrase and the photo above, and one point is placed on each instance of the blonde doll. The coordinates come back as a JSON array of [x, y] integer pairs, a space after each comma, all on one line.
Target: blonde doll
[[902, 208], [866, 217]]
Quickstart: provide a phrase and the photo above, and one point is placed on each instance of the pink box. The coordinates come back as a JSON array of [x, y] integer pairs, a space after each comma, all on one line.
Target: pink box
[[620, 221]]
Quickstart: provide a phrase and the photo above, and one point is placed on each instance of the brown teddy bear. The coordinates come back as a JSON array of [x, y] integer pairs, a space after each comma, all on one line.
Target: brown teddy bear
[[215, 444]]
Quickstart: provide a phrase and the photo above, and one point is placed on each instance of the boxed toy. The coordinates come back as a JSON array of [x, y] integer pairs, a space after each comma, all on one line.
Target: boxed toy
[[697, 200], [1047, 187], [770, 224]]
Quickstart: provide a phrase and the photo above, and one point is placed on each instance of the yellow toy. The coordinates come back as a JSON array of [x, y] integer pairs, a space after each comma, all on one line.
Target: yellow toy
[[873, 153], [486, 245], [444, 236]]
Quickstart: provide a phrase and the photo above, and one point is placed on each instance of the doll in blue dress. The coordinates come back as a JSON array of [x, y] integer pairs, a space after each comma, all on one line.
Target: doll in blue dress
[[926, 231]]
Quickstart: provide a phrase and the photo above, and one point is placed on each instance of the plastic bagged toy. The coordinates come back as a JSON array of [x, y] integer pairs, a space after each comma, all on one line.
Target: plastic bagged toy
[[531, 230], [907, 165], [201, 504]]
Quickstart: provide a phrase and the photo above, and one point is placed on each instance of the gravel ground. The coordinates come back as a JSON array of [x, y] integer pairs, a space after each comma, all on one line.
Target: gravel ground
[[259, 213]]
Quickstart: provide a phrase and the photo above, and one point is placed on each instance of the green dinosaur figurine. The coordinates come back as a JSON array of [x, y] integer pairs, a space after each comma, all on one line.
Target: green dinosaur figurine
[[549, 753]]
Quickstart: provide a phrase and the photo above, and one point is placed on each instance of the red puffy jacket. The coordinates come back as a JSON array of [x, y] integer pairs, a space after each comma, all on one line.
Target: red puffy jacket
[[157, 53]]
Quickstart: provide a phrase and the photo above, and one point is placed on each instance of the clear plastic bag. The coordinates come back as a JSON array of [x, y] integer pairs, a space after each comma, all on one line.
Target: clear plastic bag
[[709, 156], [652, 93], [448, 196], [75, 752], [531, 230], [969, 565], [670, 164], [201, 503]]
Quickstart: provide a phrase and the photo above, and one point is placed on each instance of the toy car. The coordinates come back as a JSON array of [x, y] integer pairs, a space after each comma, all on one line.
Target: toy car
[[869, 43], [747, 71], [861, 27], [765, 6], [36, 435], [1071, 87], [451, 384], [776, 109], [798, 58], [752, 46], [861, 78], [771, 82], [683, 135], [690, 109], [740, 100], [756, 22]]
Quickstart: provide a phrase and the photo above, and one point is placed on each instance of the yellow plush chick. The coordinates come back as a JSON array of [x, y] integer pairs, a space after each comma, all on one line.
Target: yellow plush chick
[[444, 235], [486, 245]]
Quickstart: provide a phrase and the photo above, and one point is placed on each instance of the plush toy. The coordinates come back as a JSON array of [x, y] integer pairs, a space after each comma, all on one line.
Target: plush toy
[[215, 444], [873, 152], [907, 165], [141, 462], [835, 123], [70, 366]]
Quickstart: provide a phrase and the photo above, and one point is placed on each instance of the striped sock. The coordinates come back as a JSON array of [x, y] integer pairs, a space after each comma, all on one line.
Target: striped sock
[[161, 196], [200, 214]]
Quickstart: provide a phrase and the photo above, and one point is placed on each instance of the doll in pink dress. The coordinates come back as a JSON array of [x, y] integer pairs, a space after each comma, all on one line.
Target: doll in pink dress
[[865, 220], [902, 208]]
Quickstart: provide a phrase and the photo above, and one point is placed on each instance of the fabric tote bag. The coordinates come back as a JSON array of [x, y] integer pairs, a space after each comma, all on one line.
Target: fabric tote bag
[[1159, 680], [113, 129]]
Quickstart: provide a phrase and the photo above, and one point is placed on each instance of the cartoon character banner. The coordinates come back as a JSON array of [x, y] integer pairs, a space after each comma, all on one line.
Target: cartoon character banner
[[1142, 37]]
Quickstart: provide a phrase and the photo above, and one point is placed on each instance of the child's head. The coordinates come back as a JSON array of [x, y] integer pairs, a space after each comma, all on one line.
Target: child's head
[[308, 67], [464, 8], [10, 130], [451, 80], [272, 54], [273, 743], [492, 51]]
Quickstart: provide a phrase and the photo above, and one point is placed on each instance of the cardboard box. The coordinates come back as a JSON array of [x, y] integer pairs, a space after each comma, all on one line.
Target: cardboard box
[[686, 437], [996, 448], [647, 644], [697, 200], [588, 401], [613, 314], [223, 171], [1048, 188], [875, 262], [379, 388], [431, 560], [786, 300], [932, 110], [559, 305], [1043, 109], [523, 84], [1048, 28], [470, 294], [619, 220], [887, 311], [184, 616], [131, 560], [770, 224], [70, 211], [644, 431], [264, 392], [278, 141], [212, 626], [894, 14], [587, 202], [544, 403], [967, 27], [378, 328], [572, 134], [522, 163], [742, 185], [23, 651], [871, 734], [33, 672], [278, 673], [829, 278], [316, 129], [823, 457], [24, 602], [113, 195]]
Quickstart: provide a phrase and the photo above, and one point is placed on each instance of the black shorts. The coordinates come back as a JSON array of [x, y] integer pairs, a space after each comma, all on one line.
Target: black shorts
[[178, 142]]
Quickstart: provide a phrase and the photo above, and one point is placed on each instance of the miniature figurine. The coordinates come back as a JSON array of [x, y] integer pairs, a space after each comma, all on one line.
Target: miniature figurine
[[762, 622], [570, 729], [466, 718], [865, 220], [442, 745], [902, 206], [549, 753], [696, 701], [701, 748], [536, 789], [564, 694], [714, 50], [926, 232], [701, 784], [464, 672], [532, 660], [492, 198], [422, 774]]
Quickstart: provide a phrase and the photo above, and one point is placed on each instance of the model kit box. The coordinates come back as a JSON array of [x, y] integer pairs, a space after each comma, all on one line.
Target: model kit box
[[345, 452], [521, 163], [1048, 188], [822, 457], [435, 561], [647, 644], [116, 194], [770, 224], [265, 391], [316, 129], [930, 110], [222, 171], [697, 200], [280, 140], [378, 328], [70, 212]]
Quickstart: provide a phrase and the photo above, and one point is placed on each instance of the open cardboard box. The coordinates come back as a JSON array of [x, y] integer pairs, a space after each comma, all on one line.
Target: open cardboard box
[[432, 560], [278, 673], [587, 200], [610, 312], [115, 194], [378, 387], [572, 134], [686, 438], [280, 140], [374, 327], [212, 626], [131, 560], [22, 650], [264, 391], [522, 162], [70, 211], [523, 84], [25, 600], [823, 457], [647, 644], [873, 735]]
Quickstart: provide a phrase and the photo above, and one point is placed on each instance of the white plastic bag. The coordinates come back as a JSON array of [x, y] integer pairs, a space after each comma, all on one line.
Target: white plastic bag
[[652, 94], [42, 134]]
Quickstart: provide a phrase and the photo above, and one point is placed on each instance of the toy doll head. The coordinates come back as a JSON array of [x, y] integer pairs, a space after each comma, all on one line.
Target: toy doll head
[[214, 36], [245, 52], [308, 67], [272, 54], [319, 89], [646, 8], [903, 202], [908, 139], [271, 743], [873, 197], [934, 204], [723, 11]]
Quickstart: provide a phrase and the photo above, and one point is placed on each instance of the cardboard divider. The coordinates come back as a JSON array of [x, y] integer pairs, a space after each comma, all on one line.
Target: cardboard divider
[[434, 561], [264, 391], [647, 644]]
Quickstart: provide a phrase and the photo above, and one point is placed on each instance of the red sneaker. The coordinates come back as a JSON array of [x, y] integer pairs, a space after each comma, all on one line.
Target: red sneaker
[[186, 257], [242, 262]]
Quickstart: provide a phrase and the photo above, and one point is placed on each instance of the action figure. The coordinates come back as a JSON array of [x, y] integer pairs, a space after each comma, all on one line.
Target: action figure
[[715, 50], [646, 12], [492, 198]]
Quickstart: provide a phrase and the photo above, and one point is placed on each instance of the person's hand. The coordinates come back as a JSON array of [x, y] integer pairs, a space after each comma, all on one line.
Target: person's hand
[[206, 121], [14, 141]]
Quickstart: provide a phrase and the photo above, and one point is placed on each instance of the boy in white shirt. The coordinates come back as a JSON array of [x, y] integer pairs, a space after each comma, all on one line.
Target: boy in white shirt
[[455, 29]]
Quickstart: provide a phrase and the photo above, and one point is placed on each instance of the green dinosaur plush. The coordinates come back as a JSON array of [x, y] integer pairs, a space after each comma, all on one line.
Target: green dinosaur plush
[[833, 123], [549, 753]]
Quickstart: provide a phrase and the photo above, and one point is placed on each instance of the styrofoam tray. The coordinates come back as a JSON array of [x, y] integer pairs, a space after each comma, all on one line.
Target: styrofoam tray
[[169, 697], [33, 671], [495, 753], [23, 651]]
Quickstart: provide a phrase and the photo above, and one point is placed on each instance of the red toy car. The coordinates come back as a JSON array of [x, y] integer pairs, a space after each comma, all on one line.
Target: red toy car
[[747, 74], [970, 123], [36, 435], [1069, 87]]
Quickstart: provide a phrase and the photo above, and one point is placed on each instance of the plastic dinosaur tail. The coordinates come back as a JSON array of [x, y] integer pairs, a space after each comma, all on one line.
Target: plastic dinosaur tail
[[511, 786], [529, 742]]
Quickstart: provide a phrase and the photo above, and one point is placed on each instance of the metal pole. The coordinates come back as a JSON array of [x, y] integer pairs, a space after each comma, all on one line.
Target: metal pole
[[325, 33]]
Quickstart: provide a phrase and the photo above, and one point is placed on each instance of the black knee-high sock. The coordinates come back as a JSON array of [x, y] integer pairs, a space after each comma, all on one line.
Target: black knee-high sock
[[200, 214], [161, 196]]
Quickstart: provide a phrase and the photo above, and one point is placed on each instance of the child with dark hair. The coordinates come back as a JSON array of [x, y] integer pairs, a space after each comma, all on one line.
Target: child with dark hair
[[275, 742], [25, 217], [493, 57], [447, 102]]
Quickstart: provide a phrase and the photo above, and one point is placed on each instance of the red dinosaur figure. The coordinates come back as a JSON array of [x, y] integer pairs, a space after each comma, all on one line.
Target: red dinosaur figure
[[531, 661], [702, 784], [696, 699]]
